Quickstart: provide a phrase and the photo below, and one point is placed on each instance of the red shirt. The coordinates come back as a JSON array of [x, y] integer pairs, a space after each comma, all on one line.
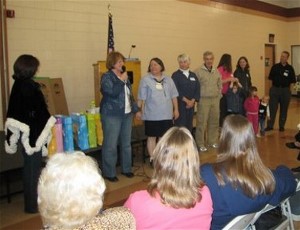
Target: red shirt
[[251, 104]]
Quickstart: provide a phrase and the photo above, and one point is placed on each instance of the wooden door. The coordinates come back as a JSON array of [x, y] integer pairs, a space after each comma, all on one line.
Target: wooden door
[[269, 62]]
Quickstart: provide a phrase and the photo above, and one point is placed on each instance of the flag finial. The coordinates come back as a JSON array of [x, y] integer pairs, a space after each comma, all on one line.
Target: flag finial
[[109, 10]]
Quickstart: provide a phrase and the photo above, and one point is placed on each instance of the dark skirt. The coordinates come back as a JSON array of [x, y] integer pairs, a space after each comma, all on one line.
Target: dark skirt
[[157, 128]]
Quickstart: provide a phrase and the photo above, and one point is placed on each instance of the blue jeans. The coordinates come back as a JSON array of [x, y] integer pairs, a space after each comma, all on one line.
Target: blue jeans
[[116, 131], [262, 122]]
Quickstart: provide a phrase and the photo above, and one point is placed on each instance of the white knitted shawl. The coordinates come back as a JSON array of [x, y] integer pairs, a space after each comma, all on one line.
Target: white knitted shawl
[[20, 129]]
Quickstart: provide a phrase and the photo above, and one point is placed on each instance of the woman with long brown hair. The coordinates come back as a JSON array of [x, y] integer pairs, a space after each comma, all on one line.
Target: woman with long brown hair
[[239, 182]]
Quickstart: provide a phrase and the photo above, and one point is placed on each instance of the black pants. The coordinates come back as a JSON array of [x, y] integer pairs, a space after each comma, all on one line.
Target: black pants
[[31, 173], [281, 96], [185, 116]]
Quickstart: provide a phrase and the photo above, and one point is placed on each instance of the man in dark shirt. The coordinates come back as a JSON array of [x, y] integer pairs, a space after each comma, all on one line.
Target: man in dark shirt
[[282, 75]]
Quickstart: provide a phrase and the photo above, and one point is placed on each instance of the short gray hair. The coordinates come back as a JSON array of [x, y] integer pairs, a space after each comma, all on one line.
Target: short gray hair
[[70, 190], [183, 57], [208, 53]]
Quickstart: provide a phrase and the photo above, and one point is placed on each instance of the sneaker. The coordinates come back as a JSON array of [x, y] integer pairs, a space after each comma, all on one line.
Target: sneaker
[[151, 163], [268, 129], [291, 145], [203, 149], [258, 135], [297, 169], [215, 146]]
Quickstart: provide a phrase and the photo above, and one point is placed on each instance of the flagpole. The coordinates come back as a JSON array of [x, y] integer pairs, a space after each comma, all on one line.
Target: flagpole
[[110, 39]]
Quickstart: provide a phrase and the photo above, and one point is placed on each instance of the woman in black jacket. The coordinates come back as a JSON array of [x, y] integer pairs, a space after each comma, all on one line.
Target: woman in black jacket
[[242, 73], [28, 113]]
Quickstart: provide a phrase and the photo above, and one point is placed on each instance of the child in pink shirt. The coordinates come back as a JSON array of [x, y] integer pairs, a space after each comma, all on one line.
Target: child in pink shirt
[[176, 197], [251, 106]]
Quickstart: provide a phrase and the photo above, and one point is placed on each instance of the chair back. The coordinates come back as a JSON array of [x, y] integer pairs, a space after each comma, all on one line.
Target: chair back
[[240, 222]]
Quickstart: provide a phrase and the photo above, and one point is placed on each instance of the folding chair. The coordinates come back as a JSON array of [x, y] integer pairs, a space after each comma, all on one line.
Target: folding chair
[[240, 222], [248, 221]]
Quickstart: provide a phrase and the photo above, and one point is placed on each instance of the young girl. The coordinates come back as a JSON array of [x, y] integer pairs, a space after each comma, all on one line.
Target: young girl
[[251, 106]]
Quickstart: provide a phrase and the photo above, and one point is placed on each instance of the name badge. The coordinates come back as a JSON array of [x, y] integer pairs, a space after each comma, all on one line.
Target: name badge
[[192, 79], [158, 86]]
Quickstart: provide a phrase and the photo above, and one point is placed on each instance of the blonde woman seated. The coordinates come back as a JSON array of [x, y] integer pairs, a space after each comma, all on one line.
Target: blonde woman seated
[[239, 182], [176, 197], [70, 196]]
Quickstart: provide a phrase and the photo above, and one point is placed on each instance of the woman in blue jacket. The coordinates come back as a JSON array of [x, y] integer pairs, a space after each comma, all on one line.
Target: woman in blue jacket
[[117, 107], [239, 182]]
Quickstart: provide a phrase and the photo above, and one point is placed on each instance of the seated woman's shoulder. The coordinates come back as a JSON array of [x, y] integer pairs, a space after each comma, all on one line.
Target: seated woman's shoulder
[[112, 218]]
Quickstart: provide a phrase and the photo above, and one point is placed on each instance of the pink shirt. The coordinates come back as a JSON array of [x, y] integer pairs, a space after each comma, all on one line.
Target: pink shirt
[[150, 213], [224, 75]]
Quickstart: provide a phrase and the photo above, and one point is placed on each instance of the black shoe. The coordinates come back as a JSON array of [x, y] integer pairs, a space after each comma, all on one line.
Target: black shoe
[[31, 211], [129, 174], [291, 145], [151, 163], [296, 169], [281, 129], [111, 179], [268, 129]]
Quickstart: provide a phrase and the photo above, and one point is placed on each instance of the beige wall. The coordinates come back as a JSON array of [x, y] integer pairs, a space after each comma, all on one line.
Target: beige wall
[[69, 36]]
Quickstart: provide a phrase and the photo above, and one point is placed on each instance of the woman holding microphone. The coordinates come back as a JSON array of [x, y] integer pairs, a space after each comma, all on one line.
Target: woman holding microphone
[[117, 108]]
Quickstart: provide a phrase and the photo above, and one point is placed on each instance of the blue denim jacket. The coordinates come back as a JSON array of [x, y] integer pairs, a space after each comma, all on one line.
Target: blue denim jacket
[[113, 100]]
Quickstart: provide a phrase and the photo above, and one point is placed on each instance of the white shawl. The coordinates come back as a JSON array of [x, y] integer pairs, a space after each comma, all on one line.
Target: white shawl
[[20, 129]]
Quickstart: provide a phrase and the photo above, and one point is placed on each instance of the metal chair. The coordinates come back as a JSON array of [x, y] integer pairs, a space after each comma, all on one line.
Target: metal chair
[[247, 221], [240, 222], [287, 222]]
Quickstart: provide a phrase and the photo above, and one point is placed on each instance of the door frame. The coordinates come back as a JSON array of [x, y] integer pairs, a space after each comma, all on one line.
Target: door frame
[[267, 82], [4, 73]]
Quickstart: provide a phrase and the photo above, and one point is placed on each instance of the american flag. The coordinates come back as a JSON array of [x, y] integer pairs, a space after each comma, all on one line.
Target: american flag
[[110, 41]]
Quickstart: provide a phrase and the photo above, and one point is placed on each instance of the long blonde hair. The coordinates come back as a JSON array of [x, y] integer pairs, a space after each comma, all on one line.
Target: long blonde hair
[[176, 176], [238, 160]]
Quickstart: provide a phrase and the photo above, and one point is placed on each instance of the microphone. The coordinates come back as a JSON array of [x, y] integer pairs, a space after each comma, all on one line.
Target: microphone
[[123, 69], [132, 47]]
